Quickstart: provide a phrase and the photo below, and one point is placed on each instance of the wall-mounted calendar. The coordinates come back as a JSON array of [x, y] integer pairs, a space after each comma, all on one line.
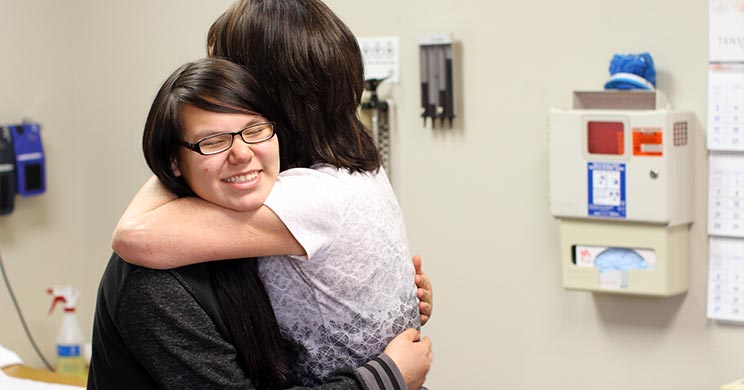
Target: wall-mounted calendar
[[726, 194], [726, 279], [726, 107], [725, 31], [725, 135]]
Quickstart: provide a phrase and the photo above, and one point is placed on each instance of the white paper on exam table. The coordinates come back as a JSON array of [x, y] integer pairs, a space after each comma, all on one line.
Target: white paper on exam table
[[9, 383], [8, 358]]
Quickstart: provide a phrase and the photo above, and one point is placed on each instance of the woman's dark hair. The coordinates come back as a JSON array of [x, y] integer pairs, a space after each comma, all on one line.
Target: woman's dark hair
[[210, 84], [244, 303], [311, 64], [221, 86]]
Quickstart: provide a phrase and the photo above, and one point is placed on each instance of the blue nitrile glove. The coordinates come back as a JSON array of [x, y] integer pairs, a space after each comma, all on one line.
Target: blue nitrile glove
[[632, 71], [620, 259]]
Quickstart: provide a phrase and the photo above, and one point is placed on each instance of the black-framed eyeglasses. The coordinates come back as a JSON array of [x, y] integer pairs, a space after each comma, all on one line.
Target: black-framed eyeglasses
[[218, 143]]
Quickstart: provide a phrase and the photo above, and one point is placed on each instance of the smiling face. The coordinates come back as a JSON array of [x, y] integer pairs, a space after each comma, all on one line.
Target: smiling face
[[239, 178]]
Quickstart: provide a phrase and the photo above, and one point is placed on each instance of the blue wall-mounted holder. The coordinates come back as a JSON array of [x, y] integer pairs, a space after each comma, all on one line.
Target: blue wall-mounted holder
[[29, 159]]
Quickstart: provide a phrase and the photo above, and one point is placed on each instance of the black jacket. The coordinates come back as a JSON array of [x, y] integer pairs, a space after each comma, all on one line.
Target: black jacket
[[163, 329]]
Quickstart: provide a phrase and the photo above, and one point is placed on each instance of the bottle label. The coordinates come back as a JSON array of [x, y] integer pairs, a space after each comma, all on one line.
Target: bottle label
[[68, 350], [71, 366]]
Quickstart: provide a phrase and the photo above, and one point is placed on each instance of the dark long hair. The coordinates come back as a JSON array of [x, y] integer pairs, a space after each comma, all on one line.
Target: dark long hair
[[221, 86], [313, 67], [245, 305]]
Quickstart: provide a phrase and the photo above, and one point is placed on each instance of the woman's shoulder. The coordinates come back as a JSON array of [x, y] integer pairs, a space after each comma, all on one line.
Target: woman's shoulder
[[326, 184], [330, 173], [315, 177]]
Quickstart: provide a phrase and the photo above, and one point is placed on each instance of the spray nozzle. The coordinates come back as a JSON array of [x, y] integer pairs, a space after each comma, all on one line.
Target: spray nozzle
[[65, 294]]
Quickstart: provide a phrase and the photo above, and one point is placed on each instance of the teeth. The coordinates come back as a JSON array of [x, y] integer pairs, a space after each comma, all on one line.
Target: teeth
[[242, 178]]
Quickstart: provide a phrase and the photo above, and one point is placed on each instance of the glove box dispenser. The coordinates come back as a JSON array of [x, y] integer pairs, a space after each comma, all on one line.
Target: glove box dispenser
[[621, 187]]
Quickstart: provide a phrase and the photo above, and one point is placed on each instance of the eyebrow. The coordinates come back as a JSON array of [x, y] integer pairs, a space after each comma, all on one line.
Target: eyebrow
[[208, 133]]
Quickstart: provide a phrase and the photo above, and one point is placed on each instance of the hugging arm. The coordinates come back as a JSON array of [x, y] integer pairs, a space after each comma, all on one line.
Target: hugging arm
[[159, 230], [424, 291], [170, 335]]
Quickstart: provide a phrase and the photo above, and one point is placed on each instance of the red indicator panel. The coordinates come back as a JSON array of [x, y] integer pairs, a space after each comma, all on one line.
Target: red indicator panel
[[606, 137]]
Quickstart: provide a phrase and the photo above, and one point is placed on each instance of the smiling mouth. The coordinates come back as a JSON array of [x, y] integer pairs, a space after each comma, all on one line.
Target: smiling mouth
[[239, 179]]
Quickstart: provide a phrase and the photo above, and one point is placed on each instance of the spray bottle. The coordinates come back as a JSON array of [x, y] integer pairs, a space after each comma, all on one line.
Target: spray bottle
[[70, 341]]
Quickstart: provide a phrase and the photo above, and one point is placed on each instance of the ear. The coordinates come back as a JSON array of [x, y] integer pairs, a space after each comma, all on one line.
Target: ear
[[174, 168]]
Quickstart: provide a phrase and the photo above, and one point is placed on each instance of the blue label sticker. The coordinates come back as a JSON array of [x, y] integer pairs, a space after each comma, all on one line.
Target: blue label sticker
[[68, 350], [606, 189]]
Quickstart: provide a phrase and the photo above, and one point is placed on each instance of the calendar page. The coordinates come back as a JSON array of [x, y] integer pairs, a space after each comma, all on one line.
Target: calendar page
[[726, 194], [726, 107], [726, 31], [725, 136], [726, 279]]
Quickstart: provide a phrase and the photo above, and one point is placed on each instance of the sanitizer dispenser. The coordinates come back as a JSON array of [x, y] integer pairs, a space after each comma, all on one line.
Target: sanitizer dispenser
[[621, 186], [29, 153]]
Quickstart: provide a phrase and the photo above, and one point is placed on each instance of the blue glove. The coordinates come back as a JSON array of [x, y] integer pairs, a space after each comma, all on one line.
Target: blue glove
[[620, 259], [632, 71]]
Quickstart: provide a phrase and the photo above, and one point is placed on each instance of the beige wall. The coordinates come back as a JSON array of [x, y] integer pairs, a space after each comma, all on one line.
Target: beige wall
[[474, 197]]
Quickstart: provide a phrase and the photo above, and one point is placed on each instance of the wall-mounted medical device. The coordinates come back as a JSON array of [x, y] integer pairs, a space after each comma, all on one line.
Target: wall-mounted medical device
[[381, 57], [375, 115], [7, 171], [621, 186], [29, 159], [437, 84]]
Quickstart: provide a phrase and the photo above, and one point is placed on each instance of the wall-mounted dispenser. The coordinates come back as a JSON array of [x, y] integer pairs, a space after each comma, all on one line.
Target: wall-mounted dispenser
[[29, 154], [437, 83], [7, 172], [621, 186]]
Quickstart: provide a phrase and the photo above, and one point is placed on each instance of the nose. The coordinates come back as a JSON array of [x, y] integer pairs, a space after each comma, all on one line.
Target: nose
[[240, 151]]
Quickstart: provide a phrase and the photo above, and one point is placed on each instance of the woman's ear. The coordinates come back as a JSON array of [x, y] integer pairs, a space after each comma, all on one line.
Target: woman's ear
[[174, 168]]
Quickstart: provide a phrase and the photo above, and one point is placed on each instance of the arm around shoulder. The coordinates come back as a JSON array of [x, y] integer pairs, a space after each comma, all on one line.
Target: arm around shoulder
[[160, 232]]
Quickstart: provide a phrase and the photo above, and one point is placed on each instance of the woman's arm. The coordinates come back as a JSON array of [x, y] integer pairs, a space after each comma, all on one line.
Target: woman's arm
[[161, 231], [169, 333], [412, 356]]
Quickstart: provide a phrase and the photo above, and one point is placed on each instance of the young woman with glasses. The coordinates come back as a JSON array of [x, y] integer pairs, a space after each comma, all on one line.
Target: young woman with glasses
[[211, 325], [328, 228]]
